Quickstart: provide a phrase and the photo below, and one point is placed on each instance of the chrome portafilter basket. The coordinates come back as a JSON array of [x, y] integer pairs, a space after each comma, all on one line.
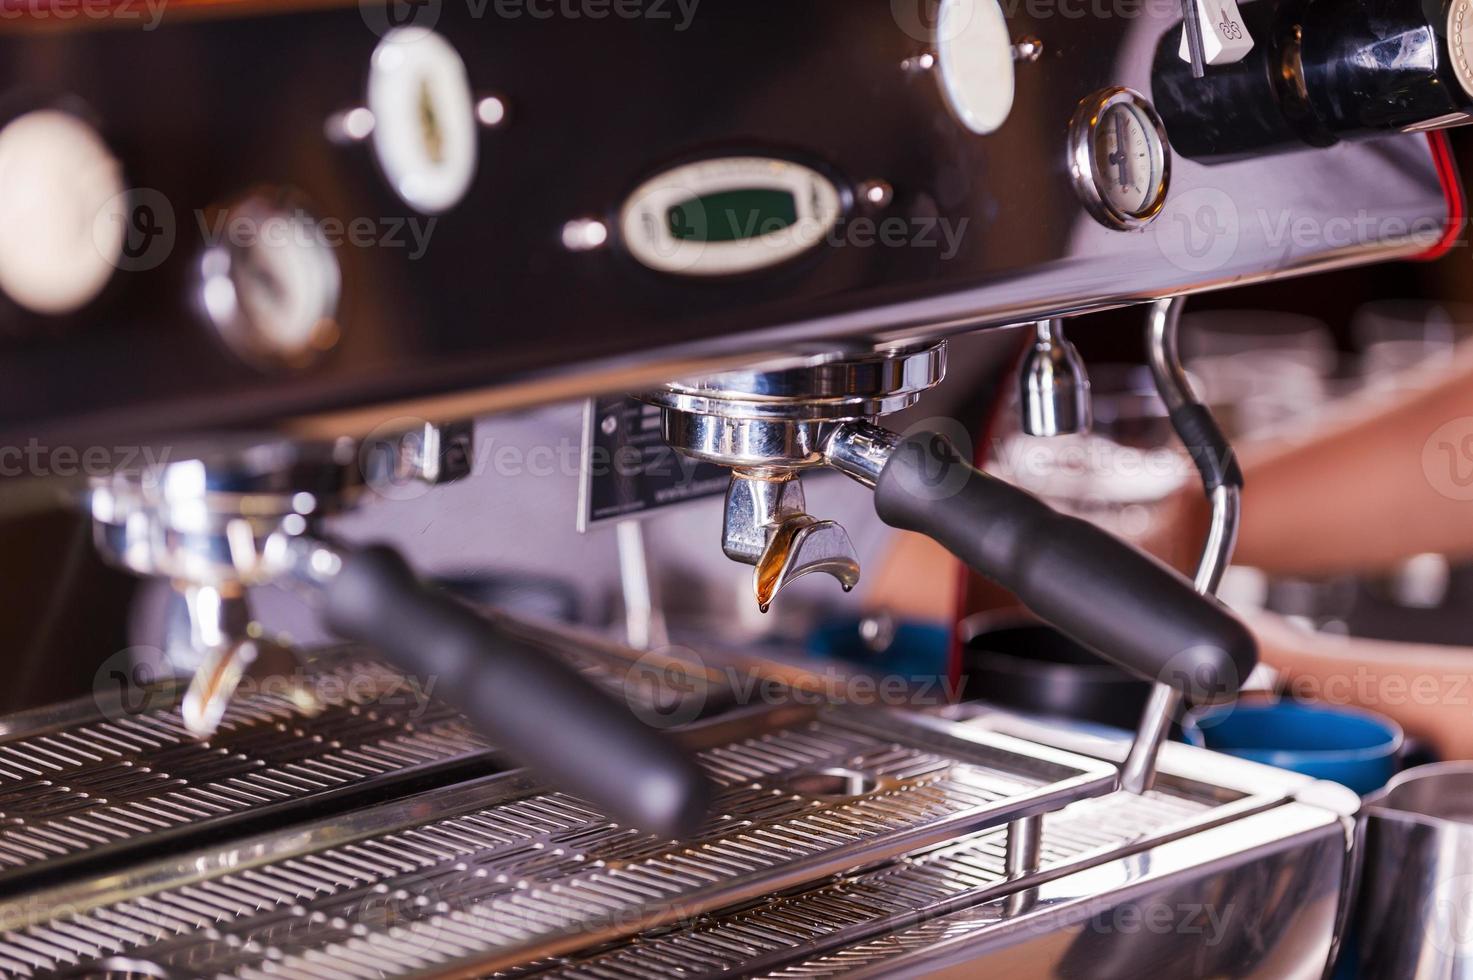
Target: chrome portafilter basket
[[214, 520], [771, 426], [218, 518]]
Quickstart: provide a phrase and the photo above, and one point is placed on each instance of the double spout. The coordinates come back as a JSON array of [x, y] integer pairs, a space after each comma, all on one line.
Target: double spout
[[1125, 605], [766, 525]]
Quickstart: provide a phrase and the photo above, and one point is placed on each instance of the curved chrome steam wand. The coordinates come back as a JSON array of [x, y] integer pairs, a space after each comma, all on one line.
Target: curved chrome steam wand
[[1223, 482]]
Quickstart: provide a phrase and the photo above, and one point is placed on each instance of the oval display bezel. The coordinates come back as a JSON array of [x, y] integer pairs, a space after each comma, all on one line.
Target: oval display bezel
[[819, 204], [406, 56], [1086, 176]]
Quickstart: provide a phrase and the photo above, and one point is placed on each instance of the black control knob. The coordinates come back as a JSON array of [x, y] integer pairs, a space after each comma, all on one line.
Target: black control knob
[[1322, 71]]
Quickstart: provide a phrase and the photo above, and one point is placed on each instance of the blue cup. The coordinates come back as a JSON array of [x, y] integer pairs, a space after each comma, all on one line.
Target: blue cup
[[918, 648], [1356, 748]]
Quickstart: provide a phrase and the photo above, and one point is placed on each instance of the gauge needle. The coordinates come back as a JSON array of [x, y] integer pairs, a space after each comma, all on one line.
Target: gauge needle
[[1121, 157]]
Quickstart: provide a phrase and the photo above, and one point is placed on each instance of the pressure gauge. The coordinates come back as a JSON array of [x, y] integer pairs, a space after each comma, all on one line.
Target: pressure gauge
[[974, 55], [62, 211], [424, 118], [270, 285], [1118, 158], [1460, 42]]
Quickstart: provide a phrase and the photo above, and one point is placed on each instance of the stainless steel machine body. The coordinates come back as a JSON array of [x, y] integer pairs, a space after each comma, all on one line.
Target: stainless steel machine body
[[847, 840], [766, 219]]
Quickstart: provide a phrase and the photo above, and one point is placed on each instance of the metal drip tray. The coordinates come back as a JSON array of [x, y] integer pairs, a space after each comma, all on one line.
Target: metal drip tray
[[498, 873], [90, 780], [836, 923]]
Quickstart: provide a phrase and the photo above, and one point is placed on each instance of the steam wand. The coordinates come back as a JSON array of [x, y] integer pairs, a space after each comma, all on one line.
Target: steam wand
[[1223, 482]]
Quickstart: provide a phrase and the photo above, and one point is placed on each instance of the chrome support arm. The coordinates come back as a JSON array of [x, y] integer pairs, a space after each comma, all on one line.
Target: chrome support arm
[[1139, 770]]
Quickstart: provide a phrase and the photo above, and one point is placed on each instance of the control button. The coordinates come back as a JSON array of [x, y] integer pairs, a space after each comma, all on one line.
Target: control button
[[1225, 38], [62, 212], [424, 118], [729, 215], [1118, 158], [270, 285], [975, 56]]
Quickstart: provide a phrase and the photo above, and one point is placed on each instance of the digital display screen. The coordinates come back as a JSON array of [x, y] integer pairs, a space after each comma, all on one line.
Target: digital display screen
[[730, 216]]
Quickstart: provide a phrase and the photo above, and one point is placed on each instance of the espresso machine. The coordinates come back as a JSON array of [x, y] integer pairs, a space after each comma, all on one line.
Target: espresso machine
[[269, 309]]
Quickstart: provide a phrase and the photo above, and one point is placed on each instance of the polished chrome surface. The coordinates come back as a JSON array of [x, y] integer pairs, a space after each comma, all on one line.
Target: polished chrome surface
[[800, 546], [746, 442], [1083, 160], [848, 913], [755, 506], [644, 616], [765, 525], [1255, 898], [1176, 391], [204, 514], [426, 453], [1192, 37], [1249, 921], [771, 425], [499, 872], [223, 516], [860, 450], [835, 387], [1025, 844], [1053, 388], [224, 654], [1416, 905]]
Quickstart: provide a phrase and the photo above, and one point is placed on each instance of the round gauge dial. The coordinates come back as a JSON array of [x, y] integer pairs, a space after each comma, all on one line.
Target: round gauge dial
[[1119, 159], [1460, 42], [271, 289]]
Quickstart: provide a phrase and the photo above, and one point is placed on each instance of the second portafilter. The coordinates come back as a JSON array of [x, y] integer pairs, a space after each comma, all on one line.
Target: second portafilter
[[221, 517], [770, 426]]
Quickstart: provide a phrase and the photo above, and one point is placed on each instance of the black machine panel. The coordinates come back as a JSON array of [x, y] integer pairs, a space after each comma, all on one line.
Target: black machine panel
[[940, 227]]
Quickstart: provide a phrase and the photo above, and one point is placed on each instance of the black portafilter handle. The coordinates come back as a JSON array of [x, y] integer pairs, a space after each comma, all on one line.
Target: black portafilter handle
[[538, 709], [1125, 605]]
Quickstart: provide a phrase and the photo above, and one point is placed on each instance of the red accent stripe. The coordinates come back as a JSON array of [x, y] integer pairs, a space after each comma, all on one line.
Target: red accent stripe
[[1452, 190]]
